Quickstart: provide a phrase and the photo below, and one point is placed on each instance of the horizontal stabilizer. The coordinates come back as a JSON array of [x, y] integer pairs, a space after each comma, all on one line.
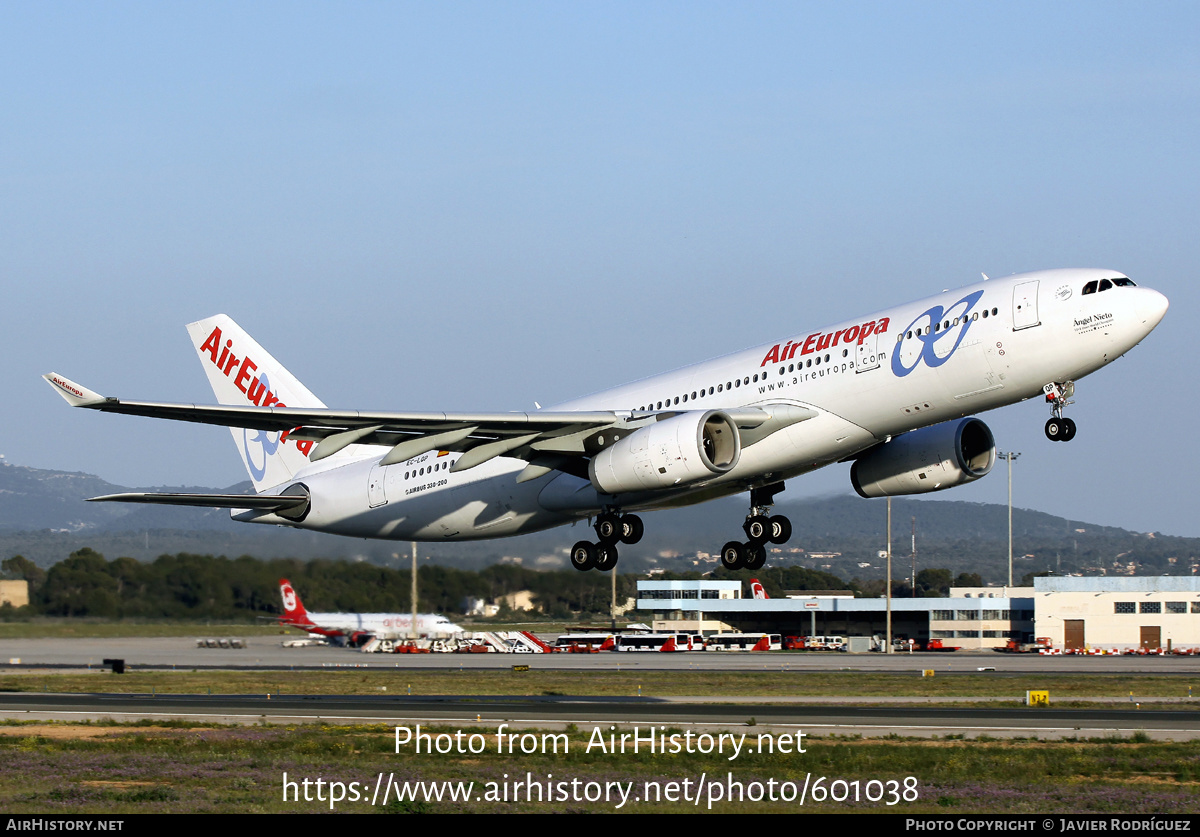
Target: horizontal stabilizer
[[262, 502]]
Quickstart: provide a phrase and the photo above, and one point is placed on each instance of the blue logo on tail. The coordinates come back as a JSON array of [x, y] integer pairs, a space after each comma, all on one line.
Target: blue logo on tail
[[266, 442]]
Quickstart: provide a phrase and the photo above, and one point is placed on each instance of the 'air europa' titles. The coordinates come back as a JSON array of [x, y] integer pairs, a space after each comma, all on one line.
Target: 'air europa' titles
[[820, 341], [67, 385], [256, 391]]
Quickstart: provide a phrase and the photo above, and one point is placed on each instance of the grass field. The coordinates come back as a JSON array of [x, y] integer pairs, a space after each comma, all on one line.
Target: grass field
[[190, 768], [1142, 688]]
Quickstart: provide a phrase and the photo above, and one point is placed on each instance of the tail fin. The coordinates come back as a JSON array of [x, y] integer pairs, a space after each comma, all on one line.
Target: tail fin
[[293, 610], [757, 589], [242, 372]]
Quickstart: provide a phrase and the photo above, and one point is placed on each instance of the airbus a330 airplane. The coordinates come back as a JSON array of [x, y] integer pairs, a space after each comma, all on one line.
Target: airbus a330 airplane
[[354, 627], [892, 391]]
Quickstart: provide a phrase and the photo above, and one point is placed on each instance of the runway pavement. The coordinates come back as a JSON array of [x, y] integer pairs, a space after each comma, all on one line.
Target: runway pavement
[[268, 653], [825, 718]]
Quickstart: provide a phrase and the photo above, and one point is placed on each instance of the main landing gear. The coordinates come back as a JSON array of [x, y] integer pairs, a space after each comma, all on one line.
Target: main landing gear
[[611, 528], [761, 528], [1058, 428]]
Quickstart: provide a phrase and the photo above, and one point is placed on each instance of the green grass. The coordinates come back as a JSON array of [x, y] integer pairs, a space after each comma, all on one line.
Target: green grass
[[202, 768], [767, 684]]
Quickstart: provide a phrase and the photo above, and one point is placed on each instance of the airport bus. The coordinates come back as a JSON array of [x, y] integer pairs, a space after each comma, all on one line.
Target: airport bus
[[585, 643], [660, 642], [743, 642]]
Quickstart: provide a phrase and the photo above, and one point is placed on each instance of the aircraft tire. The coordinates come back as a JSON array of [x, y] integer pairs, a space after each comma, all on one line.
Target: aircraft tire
[[733, 555], [757, 529], [583, 556], [1068, 429], [756, 557], [606, 558], [1054, 430], [632, 529], [781, 529], [608, 528]]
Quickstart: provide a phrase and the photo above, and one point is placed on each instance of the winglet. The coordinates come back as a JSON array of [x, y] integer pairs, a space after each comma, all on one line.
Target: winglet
[[75, 394]]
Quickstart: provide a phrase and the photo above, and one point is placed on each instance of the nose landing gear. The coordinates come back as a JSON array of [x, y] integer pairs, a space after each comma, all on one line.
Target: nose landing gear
[[761, 528], [1058, 428]]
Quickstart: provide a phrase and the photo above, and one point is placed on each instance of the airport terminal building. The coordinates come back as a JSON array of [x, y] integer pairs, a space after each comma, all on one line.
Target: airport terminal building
[[1072, 613]]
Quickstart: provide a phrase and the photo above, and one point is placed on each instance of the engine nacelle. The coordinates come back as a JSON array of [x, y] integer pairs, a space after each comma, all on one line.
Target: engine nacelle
[[683, 449], [930, 459]]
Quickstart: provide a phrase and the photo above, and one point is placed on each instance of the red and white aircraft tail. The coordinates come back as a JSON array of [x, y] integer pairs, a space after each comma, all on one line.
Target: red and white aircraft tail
[[757, 589], [293, 609]]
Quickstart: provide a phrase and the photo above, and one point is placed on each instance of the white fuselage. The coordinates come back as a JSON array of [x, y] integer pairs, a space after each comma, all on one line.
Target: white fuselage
[[380, 625], [955, 354]]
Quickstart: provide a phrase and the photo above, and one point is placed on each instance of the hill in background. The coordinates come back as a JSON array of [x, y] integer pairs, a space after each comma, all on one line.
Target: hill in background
[[44, 516]]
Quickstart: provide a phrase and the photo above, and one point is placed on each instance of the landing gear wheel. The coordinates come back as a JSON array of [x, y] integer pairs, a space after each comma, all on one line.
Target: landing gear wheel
[[1055, 430], [780, 528], [631, 529], [756, 556], [608, 528], [733, 555], [757, 528], [1068, 429], [606, 557], [583, 556]]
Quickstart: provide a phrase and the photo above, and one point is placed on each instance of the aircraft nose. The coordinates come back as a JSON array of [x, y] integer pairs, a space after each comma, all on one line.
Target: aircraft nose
[[1153, 308]]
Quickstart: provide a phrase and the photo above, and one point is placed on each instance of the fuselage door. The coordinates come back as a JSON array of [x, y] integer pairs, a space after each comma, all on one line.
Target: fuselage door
[[868, 354], [376, 492], [1025, 307]]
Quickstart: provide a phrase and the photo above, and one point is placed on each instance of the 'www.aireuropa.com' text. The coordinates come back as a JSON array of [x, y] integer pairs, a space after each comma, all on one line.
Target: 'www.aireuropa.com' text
[[703, 791]]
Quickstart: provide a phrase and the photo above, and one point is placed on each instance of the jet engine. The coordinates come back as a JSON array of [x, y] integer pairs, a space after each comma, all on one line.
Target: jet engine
[[683, 449], [942, 456]]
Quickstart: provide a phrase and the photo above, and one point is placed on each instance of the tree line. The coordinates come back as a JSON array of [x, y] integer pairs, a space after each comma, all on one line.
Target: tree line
[[189, 586]]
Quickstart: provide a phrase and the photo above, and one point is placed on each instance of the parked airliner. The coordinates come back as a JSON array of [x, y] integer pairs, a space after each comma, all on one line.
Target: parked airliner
[[355, 627], [894, 392]]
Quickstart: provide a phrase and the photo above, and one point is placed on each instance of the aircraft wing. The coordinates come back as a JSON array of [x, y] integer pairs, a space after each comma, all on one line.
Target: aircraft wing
[[548, 440]]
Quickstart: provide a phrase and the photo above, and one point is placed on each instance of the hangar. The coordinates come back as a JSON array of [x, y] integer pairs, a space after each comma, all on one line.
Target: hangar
[[1118, 614], [1150, 612]]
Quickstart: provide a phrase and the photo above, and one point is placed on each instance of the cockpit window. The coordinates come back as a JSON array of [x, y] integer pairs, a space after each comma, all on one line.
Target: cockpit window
[[1090, 287], [1122, 282], [1105, 284]]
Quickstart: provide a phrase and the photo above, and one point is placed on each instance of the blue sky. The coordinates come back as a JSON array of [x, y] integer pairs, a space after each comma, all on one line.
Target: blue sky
[[473, 206]]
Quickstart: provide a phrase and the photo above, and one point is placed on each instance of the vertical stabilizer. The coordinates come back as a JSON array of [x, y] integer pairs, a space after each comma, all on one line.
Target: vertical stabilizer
[[293, 609], [241, 372]]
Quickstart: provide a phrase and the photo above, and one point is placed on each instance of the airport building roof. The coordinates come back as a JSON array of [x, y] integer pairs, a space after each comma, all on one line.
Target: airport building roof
[[1118, 584]]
